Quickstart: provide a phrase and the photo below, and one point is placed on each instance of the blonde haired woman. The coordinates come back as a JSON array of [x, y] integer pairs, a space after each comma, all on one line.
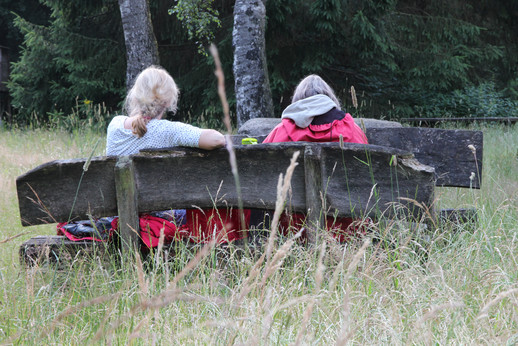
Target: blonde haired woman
[[153, 93]]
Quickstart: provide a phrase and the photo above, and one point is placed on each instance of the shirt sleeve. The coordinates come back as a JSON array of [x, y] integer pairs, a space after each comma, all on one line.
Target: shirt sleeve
[[183, 134]]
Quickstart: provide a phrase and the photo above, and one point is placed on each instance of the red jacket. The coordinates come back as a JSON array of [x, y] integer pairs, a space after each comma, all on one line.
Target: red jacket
[[287, 131], [342, 229]]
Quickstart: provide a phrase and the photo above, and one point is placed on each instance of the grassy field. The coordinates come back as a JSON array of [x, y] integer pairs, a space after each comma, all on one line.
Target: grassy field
[[459, 285]]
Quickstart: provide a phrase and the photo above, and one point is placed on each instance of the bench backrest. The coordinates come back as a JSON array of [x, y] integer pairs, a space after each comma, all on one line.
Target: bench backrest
[[185, 177], [448, 151]]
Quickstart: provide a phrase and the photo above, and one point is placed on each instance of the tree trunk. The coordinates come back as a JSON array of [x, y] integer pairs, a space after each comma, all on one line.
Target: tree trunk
[[141, 45], [252, 87]]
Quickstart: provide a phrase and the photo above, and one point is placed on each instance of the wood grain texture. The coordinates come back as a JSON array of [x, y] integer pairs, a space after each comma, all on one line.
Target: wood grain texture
[[127, 203], [348, 191], [46, 194], [314, 188], [57, 249], [445, 150], [186, 177]]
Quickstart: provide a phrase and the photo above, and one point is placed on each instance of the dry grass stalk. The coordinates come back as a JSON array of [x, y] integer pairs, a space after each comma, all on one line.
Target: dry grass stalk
[[14, 237], [40, 204], [172, 293], [353, 97], [226, 112], [485, 310], [219, 324], [135, 333], [373, 189], [295, 301], [221, 87], [267, 312], [200, 255], [143, 284], [436, 309], [431, 314], [246, 288], [247, 285], [283, 186], [474, 152], [274, 264], [161, 240], [428, 210], [154, 303], [343, 336], [29, 281], [356, 259], [72, 309], [319, 277], [167, 297], [109, 312]]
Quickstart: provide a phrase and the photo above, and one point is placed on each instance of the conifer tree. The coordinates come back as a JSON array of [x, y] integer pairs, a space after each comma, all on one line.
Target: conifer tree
[[75, 59]]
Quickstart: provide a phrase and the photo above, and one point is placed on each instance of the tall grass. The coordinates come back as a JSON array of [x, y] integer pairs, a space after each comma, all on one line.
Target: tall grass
[[460, 285]]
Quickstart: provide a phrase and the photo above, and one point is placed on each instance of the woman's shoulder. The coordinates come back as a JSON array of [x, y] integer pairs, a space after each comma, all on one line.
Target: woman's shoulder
[[168, 125], [117, 122]]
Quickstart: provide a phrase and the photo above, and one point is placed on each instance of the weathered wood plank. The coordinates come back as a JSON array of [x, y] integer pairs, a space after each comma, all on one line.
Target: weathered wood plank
[[127, 203], [186, 177], [46, 194], [458, 216], [445, 150], [369, 182], [313, 187], [56, 249], [162, 186]]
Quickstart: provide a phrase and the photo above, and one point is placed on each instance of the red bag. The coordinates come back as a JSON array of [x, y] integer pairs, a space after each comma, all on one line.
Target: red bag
[[343, 229], [100, 230], [222, 224]]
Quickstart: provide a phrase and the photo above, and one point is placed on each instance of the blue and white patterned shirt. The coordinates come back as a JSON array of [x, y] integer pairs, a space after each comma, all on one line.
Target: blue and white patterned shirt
[[160, 134]]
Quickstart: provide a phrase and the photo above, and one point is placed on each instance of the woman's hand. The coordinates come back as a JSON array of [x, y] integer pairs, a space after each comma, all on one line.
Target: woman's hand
[[211, 139]]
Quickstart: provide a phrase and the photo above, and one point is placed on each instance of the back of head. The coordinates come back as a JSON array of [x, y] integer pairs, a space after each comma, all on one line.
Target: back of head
[[153, 93], [314, 85]]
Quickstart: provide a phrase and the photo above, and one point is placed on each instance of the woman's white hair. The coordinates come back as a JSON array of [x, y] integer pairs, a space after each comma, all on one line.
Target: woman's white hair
[[314, 85], [152, 94], [154, 91]]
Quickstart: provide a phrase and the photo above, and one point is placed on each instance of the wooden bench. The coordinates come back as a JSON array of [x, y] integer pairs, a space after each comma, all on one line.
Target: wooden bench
[[356, 180]]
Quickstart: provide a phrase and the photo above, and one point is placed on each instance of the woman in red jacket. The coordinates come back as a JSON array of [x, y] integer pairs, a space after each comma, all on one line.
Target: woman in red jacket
[[315, 116]]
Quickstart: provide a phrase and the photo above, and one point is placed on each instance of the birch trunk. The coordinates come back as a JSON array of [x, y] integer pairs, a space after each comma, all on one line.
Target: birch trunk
[[141, 45], [252, 87]]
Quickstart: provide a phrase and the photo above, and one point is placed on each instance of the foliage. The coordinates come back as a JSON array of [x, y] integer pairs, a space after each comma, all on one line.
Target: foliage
[[194, 73], [199, 18], [402, 56], [473, 101], [31, 10], [76, 56], [85, 115], [393, 52]]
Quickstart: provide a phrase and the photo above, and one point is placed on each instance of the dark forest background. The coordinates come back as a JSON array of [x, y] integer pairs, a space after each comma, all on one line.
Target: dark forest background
[[404, 58]]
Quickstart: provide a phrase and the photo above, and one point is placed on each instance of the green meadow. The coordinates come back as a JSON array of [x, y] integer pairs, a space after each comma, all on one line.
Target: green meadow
[[451, 284]]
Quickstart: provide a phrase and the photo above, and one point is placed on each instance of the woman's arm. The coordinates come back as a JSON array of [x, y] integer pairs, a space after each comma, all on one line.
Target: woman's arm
[[211, 139]]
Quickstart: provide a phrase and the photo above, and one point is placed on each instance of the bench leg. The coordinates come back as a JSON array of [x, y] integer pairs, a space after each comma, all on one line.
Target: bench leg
[[127, 204]]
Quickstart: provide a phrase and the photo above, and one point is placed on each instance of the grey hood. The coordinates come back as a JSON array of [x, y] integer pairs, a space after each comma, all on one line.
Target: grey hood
[[303, 111]]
